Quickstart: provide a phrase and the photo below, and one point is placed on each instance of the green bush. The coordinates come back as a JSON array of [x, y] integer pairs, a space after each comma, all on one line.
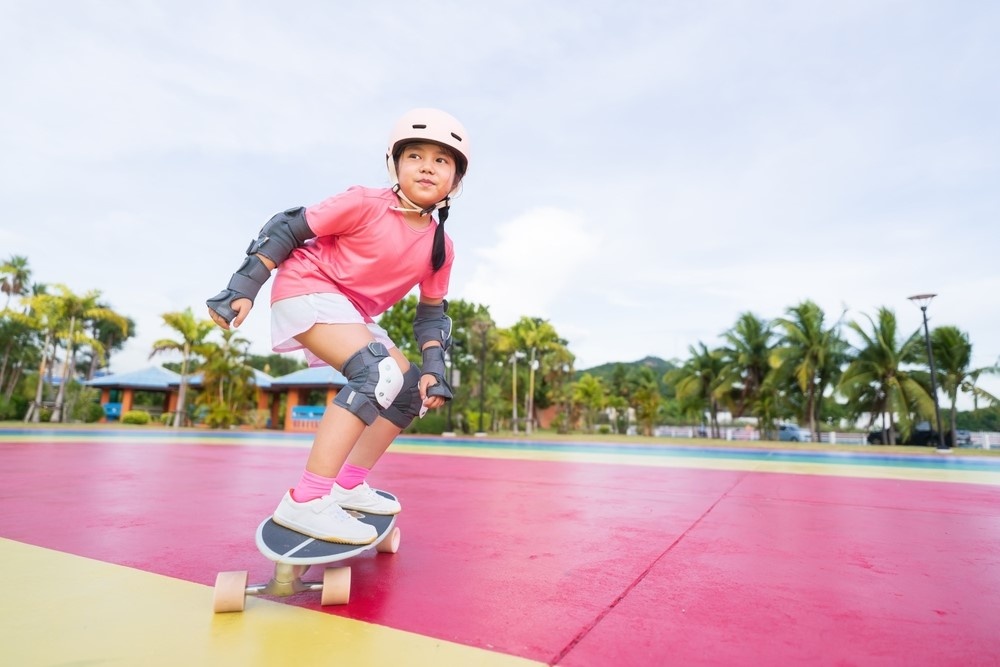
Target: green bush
[[220, 416], [83, 403], [89, 413], [15, 408], [135, 417], [433, 423], [472, 419]]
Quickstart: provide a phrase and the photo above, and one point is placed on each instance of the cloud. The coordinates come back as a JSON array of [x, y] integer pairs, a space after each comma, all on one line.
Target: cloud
[[539, 257]]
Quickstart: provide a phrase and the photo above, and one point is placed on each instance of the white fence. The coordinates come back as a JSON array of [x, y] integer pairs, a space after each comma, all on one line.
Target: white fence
[[980, 440]]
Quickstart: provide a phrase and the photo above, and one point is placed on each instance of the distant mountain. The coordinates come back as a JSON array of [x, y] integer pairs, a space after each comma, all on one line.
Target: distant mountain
[[657, 365]]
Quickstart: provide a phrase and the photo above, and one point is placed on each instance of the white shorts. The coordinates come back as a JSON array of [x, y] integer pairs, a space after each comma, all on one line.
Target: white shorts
[[297, 314]]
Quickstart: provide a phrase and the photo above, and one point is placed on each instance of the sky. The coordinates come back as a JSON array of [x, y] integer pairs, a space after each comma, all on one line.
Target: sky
[[642, 173]]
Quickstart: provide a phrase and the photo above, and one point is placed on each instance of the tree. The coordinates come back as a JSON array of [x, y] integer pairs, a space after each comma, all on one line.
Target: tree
[[810, 354], [44, 316], [275, 365], [191, 345], [953, 355], [74, 311], [537, 338], [590, 394], [227, 381], [697, 383], [876, 380], [647, 400], [110, 335], [746, 362], [14, 277], [398, 323]]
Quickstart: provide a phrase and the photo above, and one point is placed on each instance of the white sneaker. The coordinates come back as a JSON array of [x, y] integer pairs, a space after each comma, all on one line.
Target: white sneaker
[[323, 519], [363, 498]]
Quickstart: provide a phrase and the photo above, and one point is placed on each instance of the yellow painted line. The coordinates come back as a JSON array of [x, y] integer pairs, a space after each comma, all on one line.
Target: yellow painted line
[[799, 468], [60, 609]]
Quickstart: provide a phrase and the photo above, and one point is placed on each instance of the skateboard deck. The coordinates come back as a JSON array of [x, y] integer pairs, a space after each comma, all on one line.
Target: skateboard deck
[[284, 545], [293, 553]]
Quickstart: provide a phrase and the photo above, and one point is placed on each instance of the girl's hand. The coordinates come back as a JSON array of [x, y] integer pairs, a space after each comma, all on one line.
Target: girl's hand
[[429, 402], [242, 308]]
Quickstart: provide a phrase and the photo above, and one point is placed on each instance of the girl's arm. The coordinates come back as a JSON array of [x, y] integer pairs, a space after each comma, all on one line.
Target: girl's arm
[[281, 235], [432, 328]]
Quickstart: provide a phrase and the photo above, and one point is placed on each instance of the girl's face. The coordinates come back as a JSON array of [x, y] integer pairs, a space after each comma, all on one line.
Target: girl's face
[[426, 173]]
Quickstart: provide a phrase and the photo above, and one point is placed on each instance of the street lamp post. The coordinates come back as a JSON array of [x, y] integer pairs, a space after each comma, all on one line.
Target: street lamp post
[[513, 360], [482, 328], [454, 384], [924, 300]]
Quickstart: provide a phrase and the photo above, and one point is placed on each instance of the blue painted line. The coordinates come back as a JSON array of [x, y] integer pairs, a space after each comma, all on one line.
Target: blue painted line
[[849, 458], [944, 462]]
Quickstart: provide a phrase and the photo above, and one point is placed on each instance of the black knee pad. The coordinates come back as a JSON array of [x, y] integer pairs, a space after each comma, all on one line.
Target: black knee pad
[[407, 405], [374, 379]]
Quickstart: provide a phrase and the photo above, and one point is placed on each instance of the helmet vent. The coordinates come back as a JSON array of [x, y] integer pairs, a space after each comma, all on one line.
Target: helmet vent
[[419, 126], [456, 136]]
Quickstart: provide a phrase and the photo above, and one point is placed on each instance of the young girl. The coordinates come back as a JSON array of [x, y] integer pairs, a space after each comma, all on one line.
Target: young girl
[[341, 263]]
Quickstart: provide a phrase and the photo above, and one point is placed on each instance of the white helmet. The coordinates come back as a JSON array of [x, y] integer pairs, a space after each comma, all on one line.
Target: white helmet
[[431, 125]]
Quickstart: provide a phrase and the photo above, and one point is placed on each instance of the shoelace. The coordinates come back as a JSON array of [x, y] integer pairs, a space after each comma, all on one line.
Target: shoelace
[[334, 510]]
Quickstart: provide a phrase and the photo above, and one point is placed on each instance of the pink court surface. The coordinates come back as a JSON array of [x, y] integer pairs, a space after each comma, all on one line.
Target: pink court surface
[[512, 553]]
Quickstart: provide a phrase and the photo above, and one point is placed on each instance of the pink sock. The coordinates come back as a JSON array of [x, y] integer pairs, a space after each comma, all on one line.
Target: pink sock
[[350, 476], [311, 487]]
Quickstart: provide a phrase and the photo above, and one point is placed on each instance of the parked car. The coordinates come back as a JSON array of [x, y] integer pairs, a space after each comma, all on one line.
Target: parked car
[[963, 438], [793, 433], [922, 435]]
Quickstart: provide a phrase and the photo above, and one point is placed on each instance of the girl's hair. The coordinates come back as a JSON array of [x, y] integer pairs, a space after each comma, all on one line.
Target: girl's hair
[[438, 254]]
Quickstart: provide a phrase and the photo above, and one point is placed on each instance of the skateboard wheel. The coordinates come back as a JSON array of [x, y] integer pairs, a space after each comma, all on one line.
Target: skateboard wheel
[[336, 585], [390, 544], [230, 592]]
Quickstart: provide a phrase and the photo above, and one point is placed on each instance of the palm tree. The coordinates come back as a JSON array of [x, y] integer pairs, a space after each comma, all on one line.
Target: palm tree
[[536, 337], [75, 311], [697, 383], [953, 354], [14, 277], [589, 393], [647, 399], [111, 337], [876, 381], [810, 354], [227, 381], [20, 349], [745, 360], [44, 315], [193, 333]]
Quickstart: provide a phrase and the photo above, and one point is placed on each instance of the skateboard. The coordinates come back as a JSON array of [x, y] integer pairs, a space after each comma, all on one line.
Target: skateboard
[[294, 553]]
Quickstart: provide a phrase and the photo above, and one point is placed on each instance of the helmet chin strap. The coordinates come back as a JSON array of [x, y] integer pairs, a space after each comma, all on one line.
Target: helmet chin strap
[[410, 207]]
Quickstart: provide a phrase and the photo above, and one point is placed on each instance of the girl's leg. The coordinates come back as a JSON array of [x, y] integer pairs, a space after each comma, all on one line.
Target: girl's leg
[[307, 508], [350, 489], [377, 437], [339, 430]]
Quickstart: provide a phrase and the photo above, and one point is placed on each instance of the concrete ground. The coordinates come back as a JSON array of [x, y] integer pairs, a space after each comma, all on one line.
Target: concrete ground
[[512, 553]]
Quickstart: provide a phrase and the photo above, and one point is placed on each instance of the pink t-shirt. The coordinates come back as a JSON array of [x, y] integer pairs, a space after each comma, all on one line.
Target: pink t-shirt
[[365, 251]]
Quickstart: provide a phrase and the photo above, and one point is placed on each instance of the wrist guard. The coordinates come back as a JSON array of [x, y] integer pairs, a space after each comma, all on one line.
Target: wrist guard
[[434, 366], [432, 323], [245, 284]]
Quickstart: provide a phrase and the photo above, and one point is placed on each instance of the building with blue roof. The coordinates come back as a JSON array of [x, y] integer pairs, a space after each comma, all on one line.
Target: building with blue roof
[[306, 393]]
